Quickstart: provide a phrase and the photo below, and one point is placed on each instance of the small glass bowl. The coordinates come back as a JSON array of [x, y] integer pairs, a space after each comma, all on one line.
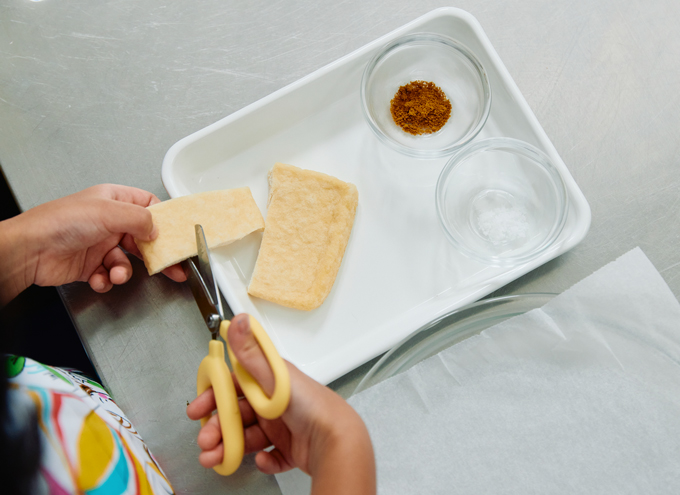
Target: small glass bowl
[[433, 58], [501, 201]]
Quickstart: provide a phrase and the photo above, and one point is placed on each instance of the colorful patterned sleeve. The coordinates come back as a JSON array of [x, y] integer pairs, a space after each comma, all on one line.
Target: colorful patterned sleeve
[[88, 445]]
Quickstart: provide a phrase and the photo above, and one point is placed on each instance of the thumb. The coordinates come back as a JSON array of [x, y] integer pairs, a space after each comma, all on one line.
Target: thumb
[[249, 354], [125, 218]]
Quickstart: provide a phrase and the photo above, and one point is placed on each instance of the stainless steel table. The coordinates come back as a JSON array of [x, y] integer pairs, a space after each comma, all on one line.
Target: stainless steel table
[[94, 92]]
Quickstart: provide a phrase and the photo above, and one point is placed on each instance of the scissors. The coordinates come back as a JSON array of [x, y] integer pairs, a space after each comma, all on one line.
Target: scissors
[[213, 371]]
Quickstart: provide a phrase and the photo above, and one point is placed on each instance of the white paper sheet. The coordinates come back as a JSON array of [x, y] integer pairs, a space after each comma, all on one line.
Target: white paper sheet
[[582, 395]]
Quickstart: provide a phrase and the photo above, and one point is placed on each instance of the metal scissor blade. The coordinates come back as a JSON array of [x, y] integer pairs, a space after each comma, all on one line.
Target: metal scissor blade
[[206, 273], [208, 310], [204, 266]]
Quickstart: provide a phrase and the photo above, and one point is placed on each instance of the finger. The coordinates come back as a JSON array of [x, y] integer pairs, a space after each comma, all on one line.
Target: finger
[[125, 218], [210, 435], [249, 354], [248, 415], [118, 265], [205, 404], [202, 405], [127, 194], [272, 462], [237, 386], [128, 243], [99, 280], [255, 439], [175, 272], [211, 458]]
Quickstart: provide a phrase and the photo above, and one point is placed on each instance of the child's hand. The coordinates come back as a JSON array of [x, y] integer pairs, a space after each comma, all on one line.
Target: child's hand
[[319, 432], [78, 238]]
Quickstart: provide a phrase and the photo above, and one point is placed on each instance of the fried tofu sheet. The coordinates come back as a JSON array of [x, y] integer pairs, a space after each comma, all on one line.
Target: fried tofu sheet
[[226, 216], [309, 220]]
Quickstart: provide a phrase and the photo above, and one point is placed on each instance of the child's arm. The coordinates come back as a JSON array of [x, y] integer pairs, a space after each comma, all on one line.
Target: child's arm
[[319, 432]]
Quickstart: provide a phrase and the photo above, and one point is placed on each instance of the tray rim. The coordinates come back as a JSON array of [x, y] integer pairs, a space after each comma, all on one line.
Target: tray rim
[[578, 202]]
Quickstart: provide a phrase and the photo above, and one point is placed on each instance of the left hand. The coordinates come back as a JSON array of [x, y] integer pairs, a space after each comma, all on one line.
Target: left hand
[[79, 237]]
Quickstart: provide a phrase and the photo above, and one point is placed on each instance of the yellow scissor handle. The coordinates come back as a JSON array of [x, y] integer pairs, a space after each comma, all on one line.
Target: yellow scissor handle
[[267, 407], [213, 372]]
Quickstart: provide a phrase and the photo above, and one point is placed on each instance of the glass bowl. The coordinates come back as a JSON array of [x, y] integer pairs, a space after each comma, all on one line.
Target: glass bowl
[[501, 201], [432, 58], [447, 331]]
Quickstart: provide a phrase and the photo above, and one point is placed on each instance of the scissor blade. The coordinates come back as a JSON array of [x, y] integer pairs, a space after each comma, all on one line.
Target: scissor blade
[[208, 310], [204, 264], [205, 269]]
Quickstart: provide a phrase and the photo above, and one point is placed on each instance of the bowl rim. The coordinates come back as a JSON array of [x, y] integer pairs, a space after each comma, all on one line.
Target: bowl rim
[[426, 37], [514, 146], [450, 329]]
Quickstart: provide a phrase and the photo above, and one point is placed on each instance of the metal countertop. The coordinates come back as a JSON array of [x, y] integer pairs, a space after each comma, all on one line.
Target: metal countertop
[[97, 92]]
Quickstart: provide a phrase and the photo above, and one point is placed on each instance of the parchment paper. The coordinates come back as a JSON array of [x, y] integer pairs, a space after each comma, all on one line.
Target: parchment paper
[[582, 395]]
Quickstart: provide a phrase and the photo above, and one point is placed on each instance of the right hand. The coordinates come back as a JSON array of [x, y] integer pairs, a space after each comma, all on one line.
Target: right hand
[[319, 433]]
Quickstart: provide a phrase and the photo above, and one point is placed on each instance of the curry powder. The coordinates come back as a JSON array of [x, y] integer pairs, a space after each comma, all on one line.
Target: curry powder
[[420, 107]]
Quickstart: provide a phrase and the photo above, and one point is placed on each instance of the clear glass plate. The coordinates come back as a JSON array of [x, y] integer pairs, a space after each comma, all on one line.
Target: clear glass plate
[[448, 330]]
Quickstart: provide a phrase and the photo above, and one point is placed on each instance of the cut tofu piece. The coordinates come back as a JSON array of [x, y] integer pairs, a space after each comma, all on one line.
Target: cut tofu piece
[[226, 216], [309, 221]]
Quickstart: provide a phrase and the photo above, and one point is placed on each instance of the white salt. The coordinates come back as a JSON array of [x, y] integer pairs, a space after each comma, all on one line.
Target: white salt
[[503, 225]]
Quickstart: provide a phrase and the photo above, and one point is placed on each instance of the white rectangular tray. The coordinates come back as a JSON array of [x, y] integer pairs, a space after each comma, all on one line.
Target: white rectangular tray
[[399, 271]]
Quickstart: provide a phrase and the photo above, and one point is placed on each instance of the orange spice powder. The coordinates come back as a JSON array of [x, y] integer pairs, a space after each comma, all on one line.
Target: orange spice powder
[[420, 107]]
